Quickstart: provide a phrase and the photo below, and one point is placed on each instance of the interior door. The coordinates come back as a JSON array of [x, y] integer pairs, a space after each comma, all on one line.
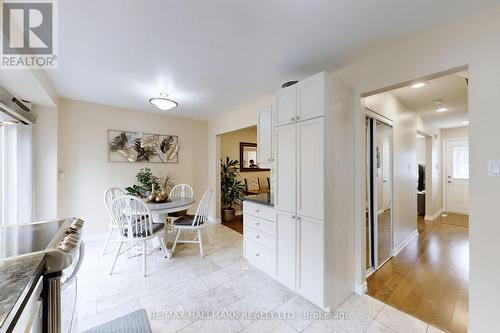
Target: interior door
[[285, 197], [457, 176], [285, 106]]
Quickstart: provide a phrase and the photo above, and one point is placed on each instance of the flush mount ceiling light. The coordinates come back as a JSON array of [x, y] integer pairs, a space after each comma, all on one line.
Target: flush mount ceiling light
[[418, 85], [163, 103], [442, 110], [465, 122]]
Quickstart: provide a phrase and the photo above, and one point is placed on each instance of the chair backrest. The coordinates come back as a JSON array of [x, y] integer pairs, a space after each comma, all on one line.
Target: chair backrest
[[109, 195], [132, 216], [182, 191], [252, 184], [201, 215]]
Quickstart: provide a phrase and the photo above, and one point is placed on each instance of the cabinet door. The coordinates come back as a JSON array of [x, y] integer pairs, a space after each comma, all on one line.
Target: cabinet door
[[311, 97], [265, 138], [285, 196], [286, 249], [310, 168], [310, 261], [285, 106]]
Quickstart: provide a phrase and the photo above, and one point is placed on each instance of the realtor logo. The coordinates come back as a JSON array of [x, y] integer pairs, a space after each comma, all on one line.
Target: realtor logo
[[29, 34]]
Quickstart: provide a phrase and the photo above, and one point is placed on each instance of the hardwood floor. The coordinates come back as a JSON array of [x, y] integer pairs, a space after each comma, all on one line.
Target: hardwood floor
[[236, 224], [429, 278]]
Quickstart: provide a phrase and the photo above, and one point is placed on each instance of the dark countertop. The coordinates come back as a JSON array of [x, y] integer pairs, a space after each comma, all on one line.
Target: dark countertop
[[17, 276], [262, 198]]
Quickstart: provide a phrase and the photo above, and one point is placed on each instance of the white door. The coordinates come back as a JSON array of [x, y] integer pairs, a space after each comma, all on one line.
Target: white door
[[285, 248], [457, 176], [311, 97], [310, 277], [265, 138], [310, 168], [386, 175], [285, 106], [285, 196]]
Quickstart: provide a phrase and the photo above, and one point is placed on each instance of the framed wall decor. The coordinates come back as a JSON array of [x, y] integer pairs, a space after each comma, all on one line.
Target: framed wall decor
[[139, 147]]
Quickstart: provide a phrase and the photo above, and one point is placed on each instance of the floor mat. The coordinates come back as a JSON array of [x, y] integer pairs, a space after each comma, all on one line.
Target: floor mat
[[136, 322]]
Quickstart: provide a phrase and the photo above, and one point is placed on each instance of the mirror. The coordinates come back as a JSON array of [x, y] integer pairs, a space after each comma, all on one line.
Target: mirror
[[248, 157]]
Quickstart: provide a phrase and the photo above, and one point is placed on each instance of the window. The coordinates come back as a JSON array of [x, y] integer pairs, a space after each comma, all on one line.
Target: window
[[16, 174], [461, 162]]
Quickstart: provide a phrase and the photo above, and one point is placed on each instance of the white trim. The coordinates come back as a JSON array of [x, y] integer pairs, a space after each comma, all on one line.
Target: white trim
[[404, 243], [360, 289], [211, 219], [370, 271], [434, 216]]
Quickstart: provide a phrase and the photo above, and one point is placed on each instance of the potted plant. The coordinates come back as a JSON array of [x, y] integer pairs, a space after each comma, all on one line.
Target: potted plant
[[231, 187], [146, 182]]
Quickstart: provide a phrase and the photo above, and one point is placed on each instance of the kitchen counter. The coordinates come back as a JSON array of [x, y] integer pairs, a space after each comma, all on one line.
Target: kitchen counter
[[262, 198], [17, 276]]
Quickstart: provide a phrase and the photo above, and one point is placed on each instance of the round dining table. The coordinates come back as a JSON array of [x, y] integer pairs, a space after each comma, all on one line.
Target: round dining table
[[160, 210]]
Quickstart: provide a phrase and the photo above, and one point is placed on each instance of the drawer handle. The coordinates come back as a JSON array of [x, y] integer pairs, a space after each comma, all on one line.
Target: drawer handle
[[257, 254], [257, 210], [257, 236]]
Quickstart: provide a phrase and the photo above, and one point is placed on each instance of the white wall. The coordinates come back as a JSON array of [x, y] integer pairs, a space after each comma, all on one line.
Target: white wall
[[421, 150], [472, 41], [84, 156], [45, 157], [455, 133]]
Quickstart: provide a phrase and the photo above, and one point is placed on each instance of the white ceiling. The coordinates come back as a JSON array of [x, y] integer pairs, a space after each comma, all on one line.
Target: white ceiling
[[451, 90], [218, 55]]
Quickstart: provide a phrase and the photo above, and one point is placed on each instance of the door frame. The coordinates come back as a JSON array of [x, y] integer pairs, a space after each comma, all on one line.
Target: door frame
[[372, 195], [444, 157]]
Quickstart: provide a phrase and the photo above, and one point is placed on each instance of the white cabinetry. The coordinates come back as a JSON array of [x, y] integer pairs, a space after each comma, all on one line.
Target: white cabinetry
[[265, 138], [285, 106], [286, 249], [286, 152], [311, 97]]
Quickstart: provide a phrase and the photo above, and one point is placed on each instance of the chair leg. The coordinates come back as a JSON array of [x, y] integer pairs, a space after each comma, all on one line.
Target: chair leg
[[175, 241], [200, 242], [144, 255], [107, 241], [116, 257]]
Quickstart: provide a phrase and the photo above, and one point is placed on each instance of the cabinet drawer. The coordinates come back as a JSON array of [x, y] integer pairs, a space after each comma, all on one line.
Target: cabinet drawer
[[259, 224], [260, 237], [264, 212], [260, 256]]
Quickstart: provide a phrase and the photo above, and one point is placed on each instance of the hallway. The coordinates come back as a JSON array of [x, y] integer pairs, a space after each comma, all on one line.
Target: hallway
[[429, 278]]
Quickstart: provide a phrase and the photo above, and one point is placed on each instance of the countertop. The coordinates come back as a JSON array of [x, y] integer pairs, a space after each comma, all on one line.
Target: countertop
[[17, 276], [262, 198]]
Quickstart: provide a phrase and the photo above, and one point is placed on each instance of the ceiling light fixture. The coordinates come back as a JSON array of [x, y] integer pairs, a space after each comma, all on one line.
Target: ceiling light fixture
[[163, 103], [442, 110], [465, 122], [418, 85]]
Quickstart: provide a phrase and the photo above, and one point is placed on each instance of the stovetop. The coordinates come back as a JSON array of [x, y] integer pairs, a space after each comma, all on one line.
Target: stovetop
[[23, 239]]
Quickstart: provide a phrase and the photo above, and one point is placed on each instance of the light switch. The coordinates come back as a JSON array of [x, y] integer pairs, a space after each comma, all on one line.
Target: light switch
[[494, 168]]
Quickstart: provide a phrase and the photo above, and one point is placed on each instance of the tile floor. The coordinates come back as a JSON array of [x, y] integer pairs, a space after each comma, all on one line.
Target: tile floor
[[222, 281]]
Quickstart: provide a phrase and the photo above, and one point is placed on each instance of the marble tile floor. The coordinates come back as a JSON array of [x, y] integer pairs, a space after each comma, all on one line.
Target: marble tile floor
[[222, 283]]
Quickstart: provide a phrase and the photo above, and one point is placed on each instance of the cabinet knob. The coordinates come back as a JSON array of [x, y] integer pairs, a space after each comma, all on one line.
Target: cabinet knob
[[292, 119], [298, 218], [257, 210], [297, 118], [257, 236], [258, 223], [293, 216], [257, 254]]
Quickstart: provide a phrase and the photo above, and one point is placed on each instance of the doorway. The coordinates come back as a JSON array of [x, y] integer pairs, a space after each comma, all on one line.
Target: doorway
[[379, 193]]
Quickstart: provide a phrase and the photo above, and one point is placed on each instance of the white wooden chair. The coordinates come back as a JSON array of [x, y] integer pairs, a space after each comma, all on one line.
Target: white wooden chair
[[196, 222], [111, 194], [182, 191], [135, 224]]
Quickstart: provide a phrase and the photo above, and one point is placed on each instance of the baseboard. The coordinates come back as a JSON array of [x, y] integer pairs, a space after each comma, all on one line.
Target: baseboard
[[238, 212], [214, 220], [404, 243], [434, 216], [380, 211], [360, 289]]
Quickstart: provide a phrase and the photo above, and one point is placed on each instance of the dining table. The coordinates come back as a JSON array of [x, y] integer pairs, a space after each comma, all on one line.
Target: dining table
[[159, 212]]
